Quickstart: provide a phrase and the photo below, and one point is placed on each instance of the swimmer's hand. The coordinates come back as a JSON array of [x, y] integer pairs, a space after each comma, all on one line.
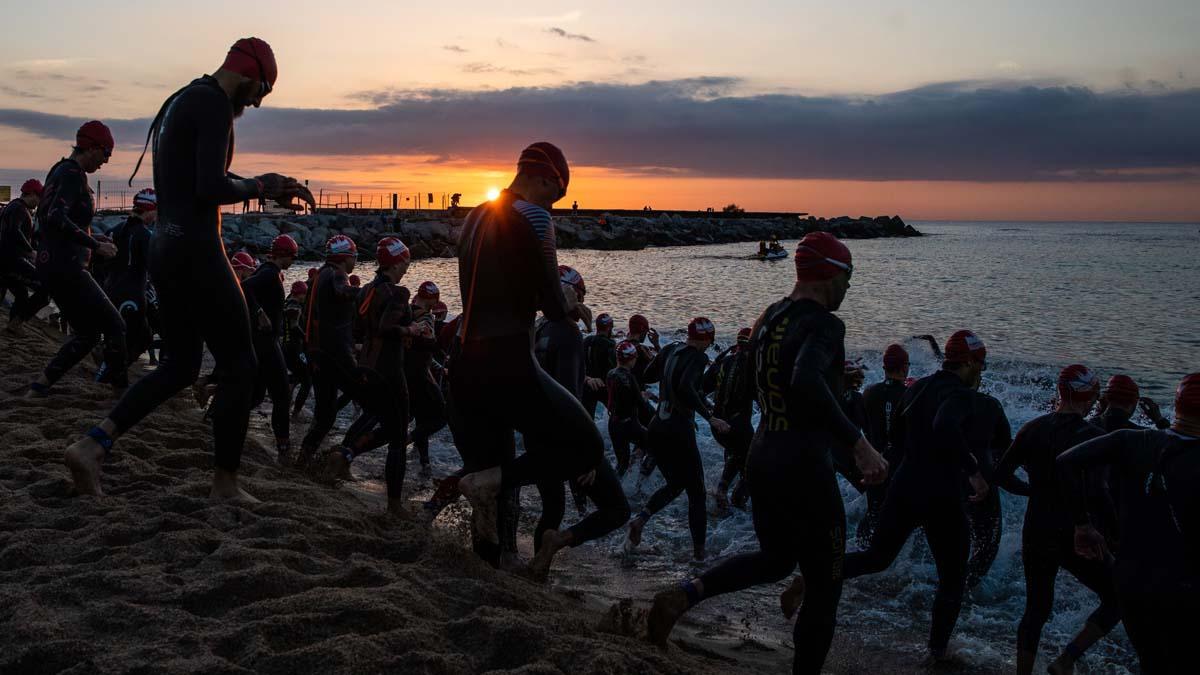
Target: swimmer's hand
[[870, 463], [106, 249], [719, 426], [1089, 543], [980, 486]]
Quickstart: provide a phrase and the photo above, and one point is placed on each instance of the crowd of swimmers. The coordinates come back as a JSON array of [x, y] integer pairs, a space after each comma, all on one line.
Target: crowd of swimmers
[[1113, 504]]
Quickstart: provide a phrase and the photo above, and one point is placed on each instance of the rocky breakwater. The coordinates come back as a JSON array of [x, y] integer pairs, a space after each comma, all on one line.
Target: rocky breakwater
[[437, 236]]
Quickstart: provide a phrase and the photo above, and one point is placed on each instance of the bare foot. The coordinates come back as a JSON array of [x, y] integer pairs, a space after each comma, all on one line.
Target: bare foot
[[553, 541], [668, 607], [634, 538], [791, 599], [481, 490], [84, 459], [225, 488], [397, 508], [337, 468]]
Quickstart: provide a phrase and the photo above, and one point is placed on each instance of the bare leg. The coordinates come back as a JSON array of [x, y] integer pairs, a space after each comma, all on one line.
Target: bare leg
[[482, 489], [668, 607], [225, 488], [553, 541], [85, 459], [791, 599]]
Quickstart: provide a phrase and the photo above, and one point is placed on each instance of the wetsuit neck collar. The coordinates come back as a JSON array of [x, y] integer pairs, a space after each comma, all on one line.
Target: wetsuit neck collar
[[516, 196]]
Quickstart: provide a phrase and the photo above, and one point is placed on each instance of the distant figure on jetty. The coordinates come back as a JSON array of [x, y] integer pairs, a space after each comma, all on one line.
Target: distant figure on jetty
[[575, 205], [200, 298]]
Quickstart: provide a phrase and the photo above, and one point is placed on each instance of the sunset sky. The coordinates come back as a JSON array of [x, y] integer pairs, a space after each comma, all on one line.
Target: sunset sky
[[1063, 110]]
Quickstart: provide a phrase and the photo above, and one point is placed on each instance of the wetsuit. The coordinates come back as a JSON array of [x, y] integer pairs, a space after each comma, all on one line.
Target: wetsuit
[[1106, 519], [600, 356], [264, 288], [856, 411], [929, 433], [1157, 570], [508, 269], [65, 247], [383, 312], [425, 394], [798, 355], [880, 401], [671, 435], [731, 381], [625, 406], [293, 350], [1047, 540], [988, 435], [126, 281], [200, 301], [16, 254], [559, 348]]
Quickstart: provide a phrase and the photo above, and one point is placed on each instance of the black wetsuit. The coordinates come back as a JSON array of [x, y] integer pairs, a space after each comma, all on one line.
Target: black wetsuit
[[988, 435], [671, 435], [799, 354], [16, 254], [929, 434], [265, 289], [559, 348], [600, 356], [856, 411], [1157, 570], [880, 401], [293, 349], [427, 404], [383, 311], [1047, 540], [625, 406], [126, 281], [1106, 519], [508, 269], [200, 301], [731, 381], [64, 249]]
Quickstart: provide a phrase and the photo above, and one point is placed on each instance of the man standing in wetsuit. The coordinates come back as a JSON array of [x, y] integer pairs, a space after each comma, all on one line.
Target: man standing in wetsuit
[[731, 381], [264, 290], [428, 407], [599, 357], [508, 269], [387, 324], [1119, 399], [16, 250], [881, 400], [201, 302], [625, 405], [65, 247], [639, 331], [988, 436], [1157, 570], [127, 274], [798, 351], [671, 435], [929, 435], [293, 344], [1047, 538]]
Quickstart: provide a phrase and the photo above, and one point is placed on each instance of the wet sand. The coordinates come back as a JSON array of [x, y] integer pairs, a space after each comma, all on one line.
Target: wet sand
[[154, 577]]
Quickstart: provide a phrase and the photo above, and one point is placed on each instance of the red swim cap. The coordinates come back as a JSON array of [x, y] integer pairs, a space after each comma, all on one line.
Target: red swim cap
[[392, 251], [146, 200], [700, 328], [626, 350], [299, 288], [568, 275], [894, 357], [963, 347], [243, 261], [284, 245], [1187, 397], [355, 281], [1121, 390], [743, 336], [94, 134], [545, 159], [604, 321], [820, 256], [252, 58], [32, 186], [638, 324], [1077, 383], [340, 247], [429, 290], [440, 309], [312, 273]]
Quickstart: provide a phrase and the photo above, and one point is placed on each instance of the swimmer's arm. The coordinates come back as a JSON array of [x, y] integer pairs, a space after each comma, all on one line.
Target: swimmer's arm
[[949, 430], [70, 187], [691, 381], [814, 359], [1016, 455], [654, 369], [214, 125], [1072, 468]]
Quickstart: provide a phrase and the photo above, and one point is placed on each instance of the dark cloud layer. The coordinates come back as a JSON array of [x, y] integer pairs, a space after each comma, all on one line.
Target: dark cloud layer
[[569, 36], [951, 131]]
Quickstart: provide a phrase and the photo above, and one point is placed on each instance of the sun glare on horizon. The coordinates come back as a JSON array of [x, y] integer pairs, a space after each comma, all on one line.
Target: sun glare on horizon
[[493, 193]]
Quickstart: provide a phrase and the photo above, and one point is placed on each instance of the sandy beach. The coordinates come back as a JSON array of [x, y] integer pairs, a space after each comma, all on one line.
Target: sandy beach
[[156, 578]]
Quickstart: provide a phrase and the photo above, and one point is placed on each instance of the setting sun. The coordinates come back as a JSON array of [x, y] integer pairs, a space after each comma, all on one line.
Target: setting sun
[[492, 193]]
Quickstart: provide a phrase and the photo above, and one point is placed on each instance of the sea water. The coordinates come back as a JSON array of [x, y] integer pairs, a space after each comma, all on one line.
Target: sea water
[[1119, 298]]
